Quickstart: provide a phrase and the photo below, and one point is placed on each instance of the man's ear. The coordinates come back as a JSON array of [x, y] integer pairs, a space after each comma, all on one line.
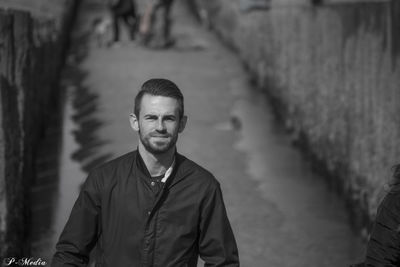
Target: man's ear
[[134, 122], [182, 124]]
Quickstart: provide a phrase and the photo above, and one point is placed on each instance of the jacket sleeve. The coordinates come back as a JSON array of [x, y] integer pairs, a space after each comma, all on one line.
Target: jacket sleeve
[[217, 245], [384, 245], [82, 229]]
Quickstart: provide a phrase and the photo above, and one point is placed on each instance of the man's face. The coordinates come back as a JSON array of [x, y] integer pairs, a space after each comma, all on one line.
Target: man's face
[[158, 123]]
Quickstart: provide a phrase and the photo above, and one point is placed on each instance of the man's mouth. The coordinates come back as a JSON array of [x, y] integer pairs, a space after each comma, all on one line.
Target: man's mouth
[[160, 136]]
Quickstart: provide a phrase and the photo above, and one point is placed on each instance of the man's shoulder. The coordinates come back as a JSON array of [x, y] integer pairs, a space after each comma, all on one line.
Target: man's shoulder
[[191, 169], [121, 163]]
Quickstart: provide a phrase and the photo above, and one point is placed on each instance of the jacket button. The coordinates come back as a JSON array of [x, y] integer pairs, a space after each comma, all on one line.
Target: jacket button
[[148, 212], [153, 183]]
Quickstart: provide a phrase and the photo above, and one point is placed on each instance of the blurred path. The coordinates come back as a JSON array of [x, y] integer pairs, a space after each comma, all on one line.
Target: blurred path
[[282, 214]]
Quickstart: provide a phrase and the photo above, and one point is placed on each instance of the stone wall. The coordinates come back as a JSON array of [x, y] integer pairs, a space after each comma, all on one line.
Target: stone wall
[[332, 72], [31, 54]]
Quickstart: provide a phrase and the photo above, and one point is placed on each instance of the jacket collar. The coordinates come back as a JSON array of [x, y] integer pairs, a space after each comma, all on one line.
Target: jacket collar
[[178, 172]]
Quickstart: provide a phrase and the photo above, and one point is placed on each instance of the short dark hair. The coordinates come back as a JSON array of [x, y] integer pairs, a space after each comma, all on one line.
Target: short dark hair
[[159, 87]]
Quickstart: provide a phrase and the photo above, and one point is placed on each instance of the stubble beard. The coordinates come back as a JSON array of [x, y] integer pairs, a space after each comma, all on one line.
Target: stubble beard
[[154, 148]]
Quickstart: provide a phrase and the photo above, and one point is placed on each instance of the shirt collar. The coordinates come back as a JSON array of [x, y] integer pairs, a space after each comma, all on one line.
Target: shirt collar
[[168, 172], [142, 167]]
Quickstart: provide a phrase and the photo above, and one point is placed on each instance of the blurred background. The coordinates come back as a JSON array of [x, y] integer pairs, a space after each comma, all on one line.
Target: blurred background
[[292, 104]]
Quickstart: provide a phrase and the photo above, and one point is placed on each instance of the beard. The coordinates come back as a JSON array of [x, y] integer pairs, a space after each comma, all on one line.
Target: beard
[[161, 146]]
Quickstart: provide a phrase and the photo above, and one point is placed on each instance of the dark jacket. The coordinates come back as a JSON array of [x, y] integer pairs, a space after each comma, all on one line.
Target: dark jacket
[[134, 225], [384, 245]]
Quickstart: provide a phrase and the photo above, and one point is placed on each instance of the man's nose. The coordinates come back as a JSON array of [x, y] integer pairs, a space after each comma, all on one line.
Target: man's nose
[[160, 125]]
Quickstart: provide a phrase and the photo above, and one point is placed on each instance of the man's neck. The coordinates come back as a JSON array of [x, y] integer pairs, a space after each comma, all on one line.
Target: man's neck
[[157, 164]]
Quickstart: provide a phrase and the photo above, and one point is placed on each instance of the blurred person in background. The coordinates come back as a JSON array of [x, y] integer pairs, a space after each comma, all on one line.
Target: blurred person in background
[[155, 11], [123, 11], [383, 248], [152, 206]]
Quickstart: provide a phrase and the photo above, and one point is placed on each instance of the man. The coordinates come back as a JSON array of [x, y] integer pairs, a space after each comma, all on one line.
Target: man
[[151, 207], [124, 10], [383, 247], [155, 9]]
